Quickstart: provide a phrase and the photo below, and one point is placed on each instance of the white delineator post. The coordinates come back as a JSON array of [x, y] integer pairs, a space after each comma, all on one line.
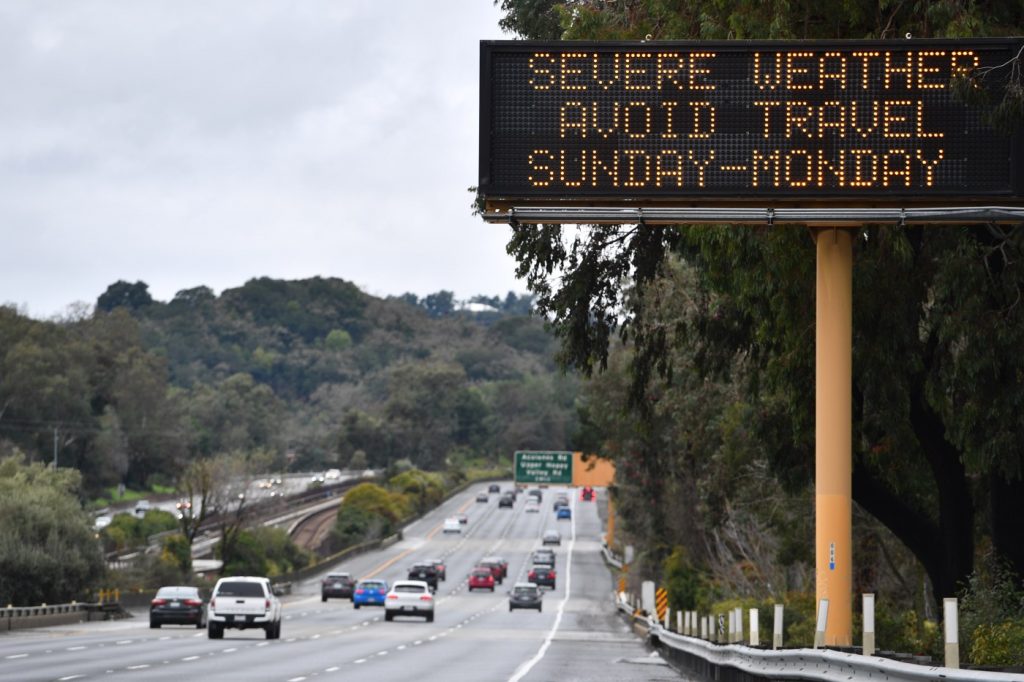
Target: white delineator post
[[679, 621], [777, 627], [868, 645], [732, 626], [755, 635], [739, 625], [686, 623], [668, 618], [704, 627], [950, 628]]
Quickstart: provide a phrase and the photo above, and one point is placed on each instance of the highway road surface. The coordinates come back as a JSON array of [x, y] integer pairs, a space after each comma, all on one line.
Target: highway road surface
[[577, 636]]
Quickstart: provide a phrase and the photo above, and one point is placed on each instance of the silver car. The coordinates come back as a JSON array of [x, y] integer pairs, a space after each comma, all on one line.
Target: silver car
[[409, 598]]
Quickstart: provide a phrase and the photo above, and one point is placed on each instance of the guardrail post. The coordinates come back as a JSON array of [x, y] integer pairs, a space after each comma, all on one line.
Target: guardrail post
[[732, 626], [720, 630], [704, 627], [668, 619], [755, 634], [777, 628], [739, 625], [868, 645], [679, 621], [819, 630], [686, 623], [950, 629]]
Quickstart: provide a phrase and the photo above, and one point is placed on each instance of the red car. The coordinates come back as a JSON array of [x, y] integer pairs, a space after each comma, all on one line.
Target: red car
[[588, 494], [481, 579]]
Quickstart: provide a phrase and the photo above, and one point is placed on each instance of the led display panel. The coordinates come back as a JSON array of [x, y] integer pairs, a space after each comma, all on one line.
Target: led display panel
[[837, 122]]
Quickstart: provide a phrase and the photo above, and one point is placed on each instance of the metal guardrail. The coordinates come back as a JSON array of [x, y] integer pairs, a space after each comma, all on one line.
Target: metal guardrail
[[706, 659], [18, 617]]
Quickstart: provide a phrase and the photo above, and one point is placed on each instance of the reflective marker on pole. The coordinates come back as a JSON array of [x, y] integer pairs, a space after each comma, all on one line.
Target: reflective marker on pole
[[679, 621], [819, 630], [755, 635], [868, 601], [950, 628], [777, 628]]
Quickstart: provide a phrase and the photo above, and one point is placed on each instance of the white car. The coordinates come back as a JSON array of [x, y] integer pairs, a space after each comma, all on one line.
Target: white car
[[452, 525], [532, 505], [409, 598], [243, 602], [333, 474]]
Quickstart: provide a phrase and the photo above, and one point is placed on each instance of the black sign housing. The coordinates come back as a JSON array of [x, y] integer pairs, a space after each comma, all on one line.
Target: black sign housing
[[808, 122]]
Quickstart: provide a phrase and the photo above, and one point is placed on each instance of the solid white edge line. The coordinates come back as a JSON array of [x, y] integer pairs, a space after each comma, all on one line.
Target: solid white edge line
[[524, 669]]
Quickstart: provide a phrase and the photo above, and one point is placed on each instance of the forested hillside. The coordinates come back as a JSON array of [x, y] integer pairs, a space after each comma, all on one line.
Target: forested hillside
[[305, 373]]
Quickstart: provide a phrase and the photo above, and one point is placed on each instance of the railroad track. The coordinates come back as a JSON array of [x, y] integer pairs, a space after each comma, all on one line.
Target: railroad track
[[311, 532]]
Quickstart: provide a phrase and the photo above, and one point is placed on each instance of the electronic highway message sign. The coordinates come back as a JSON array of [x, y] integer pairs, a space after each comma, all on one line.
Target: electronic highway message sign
[[794, 123]]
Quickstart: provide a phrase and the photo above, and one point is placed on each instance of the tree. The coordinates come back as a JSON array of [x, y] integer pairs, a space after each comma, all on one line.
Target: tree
[[121, 294], [47, 550], [439, 304]]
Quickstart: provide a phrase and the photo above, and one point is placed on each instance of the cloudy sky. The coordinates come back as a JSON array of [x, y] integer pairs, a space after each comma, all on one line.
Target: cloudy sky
[[207, 143]]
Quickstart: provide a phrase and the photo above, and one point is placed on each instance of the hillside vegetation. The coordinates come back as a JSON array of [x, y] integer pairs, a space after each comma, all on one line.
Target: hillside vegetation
[[306, 374]]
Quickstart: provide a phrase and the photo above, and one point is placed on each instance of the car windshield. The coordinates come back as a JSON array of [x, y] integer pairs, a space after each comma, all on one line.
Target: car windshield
[[338, 576], [481, 574], [412, 589], [372, 585], [526, 591], [240, 589], [177, 593]]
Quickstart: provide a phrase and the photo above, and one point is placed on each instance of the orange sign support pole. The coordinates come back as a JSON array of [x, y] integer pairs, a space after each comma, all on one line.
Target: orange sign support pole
[[833, 431]]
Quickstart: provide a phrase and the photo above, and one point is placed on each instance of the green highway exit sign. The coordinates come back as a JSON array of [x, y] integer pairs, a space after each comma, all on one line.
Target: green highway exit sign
[[543, 467]]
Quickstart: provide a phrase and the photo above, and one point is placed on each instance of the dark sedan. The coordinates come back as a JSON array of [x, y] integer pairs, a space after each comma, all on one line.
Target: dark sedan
[[340, 585], [542, 575], [525, 596], [180, 605]]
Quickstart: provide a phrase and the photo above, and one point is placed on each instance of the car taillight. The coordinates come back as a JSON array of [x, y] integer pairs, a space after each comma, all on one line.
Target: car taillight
[[213, 602], [158, 602], [533, 574], [193, 602], [360, 591], [392, 596], [426, 597], [266, 603]]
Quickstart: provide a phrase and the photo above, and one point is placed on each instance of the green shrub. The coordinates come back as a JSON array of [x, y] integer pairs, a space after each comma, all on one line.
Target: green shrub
[[991, 614], [176, 551], [1001, 644]]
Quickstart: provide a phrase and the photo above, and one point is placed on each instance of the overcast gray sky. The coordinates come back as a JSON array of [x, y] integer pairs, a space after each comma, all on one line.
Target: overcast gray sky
[[210, 142]]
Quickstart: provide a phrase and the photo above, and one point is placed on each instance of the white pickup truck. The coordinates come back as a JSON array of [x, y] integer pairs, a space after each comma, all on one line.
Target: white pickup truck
[[243, 602]]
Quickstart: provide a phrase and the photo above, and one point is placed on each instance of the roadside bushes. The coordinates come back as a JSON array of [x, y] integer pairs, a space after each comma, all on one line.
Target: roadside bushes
[[265, 551], [992, 615], [368, 512], [126, 531]]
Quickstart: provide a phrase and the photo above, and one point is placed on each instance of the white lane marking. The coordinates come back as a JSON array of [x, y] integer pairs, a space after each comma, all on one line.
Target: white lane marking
[[315, 637], [263, 644], [417, 642], [332, 669], [231, 650], [401, 647], [124, 641], [382, 653], [141, 666], [77, 648], [12, 656], [526, 667], [432, 638], [296, 679], [361, 660], [190, 658], [69, 677]]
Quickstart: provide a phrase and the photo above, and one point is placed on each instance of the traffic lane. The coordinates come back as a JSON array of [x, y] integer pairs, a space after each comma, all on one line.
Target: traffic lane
[[592, 642], [415, 537]]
